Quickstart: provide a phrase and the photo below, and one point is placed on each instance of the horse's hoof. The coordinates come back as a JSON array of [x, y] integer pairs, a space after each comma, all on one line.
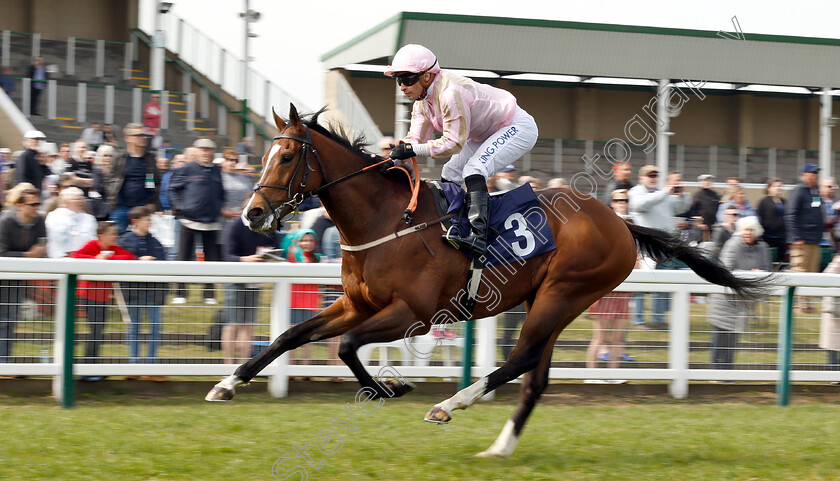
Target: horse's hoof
[[219, 393], [489, 453], [437, 415], [399, 388]]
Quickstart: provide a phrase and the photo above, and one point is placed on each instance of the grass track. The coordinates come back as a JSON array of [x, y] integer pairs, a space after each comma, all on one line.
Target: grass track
[[111, 437]]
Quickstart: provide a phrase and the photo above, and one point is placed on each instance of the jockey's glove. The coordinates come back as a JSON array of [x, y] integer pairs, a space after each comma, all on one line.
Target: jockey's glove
[[402, 151], [391, 163]]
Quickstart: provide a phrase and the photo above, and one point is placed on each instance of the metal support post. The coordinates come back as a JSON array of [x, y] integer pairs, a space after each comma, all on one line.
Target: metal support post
[[466, 372], [71, 55], [52, 96], [127, 63], [26, 92], [100, 58], [81, 102], [136, 105], [785, 341], [68, 386], [7, 48], [190, 112], [164, 108], [36, 45], [109, 104], [662, 127]]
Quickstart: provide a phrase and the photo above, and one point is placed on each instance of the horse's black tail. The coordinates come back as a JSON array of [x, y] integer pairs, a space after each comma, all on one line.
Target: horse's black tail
[[662, 247]]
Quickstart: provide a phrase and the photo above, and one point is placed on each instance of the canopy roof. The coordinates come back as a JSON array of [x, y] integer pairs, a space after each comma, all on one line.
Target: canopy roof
[[509, 46]]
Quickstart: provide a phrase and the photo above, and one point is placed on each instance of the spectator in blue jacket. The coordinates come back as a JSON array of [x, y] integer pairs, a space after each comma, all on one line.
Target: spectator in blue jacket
[[196, 194], [143, 297], [804, 224]]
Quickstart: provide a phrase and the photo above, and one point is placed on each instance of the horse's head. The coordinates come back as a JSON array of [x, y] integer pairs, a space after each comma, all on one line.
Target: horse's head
[[285, 181]]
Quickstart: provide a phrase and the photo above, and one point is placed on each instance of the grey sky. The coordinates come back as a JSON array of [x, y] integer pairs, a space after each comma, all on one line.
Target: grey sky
[[294, 34]]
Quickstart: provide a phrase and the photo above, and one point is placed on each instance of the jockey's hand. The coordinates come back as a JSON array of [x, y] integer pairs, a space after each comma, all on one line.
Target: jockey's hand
[[402, 152], [391, 163]]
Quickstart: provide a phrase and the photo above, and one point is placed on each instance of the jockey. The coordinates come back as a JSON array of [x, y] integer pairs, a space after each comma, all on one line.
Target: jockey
[[483, 131]]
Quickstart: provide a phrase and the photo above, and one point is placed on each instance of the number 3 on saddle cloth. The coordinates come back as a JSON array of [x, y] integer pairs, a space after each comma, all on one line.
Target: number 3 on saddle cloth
[[518, 224]]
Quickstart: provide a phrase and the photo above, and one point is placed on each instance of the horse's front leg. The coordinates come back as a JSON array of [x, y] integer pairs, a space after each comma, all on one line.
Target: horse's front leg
[[392, 323], [332, 321]]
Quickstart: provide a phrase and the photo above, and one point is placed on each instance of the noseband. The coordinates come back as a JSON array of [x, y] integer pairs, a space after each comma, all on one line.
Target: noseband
[[298, 197]]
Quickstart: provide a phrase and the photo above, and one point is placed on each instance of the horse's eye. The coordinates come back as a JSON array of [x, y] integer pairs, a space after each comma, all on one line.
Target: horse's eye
[[286, 158]]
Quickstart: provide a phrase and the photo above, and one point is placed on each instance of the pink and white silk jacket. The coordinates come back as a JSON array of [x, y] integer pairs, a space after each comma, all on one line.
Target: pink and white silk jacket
[[461, 109]]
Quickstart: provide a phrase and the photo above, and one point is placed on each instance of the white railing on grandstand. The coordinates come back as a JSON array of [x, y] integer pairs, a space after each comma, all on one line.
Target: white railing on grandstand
[[675, 368], [356, 115], [225, 69]]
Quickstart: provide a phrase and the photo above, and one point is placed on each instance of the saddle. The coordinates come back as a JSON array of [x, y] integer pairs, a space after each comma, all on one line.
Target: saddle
[[518, 224]]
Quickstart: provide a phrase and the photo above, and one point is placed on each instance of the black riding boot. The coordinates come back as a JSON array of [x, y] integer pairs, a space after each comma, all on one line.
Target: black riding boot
[[476, 241]]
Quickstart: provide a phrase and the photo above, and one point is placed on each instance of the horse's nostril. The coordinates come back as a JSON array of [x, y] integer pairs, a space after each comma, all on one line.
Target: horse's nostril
[[255, 213]]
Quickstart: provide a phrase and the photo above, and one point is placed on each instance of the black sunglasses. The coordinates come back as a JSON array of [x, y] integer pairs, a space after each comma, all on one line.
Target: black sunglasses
[[621, 200], [409, 80], [33, 204]]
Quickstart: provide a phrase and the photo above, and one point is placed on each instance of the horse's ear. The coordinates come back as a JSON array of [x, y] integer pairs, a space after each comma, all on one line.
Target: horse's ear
[[294, 118], [277, 120]]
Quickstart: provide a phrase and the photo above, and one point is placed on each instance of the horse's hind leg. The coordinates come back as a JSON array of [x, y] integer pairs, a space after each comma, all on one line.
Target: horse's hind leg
[[533, 385], [332, 321], [549, 313]]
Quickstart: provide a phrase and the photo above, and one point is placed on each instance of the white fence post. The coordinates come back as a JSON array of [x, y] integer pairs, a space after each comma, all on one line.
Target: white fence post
[[558, 156], [485, 354], [109, 104], [52, 95], [81, 102], [278, 381], [71, 55], [678, 342], [100, 58]]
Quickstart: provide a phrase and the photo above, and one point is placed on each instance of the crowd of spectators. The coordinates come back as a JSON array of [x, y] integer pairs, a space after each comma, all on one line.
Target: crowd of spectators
[[186, 206]]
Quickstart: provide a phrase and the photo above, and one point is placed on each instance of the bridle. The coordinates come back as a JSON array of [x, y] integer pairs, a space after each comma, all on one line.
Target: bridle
[[300, 196]]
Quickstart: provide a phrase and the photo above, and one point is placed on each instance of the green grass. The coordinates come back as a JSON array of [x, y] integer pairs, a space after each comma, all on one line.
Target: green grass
[[111, 437]]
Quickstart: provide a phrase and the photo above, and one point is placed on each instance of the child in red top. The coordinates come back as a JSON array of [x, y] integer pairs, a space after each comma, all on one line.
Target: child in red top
[[97, 294], [306, 298]]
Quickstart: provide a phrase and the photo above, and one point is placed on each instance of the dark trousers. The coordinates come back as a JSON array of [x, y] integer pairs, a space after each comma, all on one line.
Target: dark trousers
[[724, 343], [186, 248], [96, 312], [33, 101]]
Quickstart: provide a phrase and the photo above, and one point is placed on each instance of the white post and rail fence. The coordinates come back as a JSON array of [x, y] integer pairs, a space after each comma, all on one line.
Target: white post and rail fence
[[677, 348]]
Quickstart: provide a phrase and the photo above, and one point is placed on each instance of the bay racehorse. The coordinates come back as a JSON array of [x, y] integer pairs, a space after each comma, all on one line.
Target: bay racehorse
[[403, 285]]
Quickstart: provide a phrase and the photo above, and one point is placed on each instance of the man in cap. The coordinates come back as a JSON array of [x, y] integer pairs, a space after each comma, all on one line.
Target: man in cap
[[196, 194], [29, 167], [482, 129], [657, 209], [706, 204], [134, 179], [804, 224]]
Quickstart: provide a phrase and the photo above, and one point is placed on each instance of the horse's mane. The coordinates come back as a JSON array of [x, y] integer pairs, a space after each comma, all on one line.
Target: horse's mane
[[351, 140]]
